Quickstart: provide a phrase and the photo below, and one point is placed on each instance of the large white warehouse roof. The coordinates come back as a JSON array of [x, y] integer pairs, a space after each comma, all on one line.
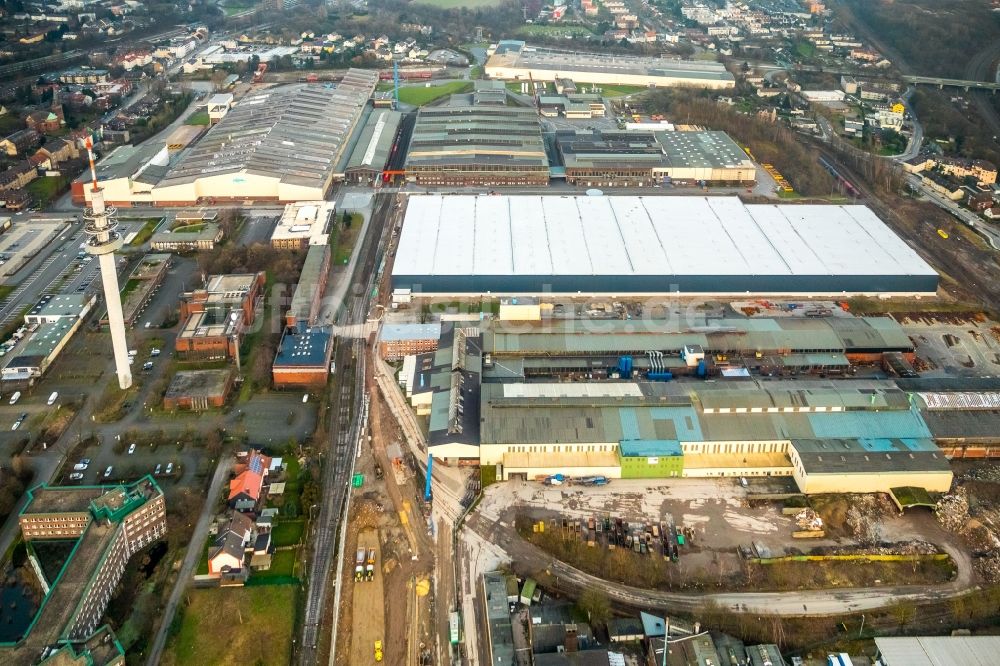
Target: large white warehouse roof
[[649, 244]]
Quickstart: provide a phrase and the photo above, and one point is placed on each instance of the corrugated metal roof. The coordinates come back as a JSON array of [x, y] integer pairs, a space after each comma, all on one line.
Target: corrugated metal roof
[[939, 650], [623, 235]]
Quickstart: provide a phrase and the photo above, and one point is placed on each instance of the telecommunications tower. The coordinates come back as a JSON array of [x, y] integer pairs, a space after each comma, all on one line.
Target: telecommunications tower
[[103, 239]]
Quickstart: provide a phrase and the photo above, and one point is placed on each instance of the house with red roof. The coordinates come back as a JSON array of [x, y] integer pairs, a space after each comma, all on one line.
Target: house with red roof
[[246, 489]]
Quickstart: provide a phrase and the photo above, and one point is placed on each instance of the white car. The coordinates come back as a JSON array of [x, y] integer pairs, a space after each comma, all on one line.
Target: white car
[[170, 468], [17, 424], [131, 448], [79, 467], [108, 471], [75, 476], [154, 352]]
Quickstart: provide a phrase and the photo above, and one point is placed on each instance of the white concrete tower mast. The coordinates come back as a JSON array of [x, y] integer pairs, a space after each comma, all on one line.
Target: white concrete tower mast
[[103, 240]]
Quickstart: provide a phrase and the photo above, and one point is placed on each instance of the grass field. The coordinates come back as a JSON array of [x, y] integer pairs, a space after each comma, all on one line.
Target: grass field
[[282, 565], [613, 90], [288, 533], [553, 31], [235, 627], [452, 4], [197, 118], [44, 190], [144, 234], [418, 96]]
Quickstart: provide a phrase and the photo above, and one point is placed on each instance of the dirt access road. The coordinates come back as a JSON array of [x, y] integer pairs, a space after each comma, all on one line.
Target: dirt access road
[[368, 606]]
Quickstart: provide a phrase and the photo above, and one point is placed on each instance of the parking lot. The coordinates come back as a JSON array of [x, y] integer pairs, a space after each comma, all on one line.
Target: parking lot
[[23, 241], [957, 347]]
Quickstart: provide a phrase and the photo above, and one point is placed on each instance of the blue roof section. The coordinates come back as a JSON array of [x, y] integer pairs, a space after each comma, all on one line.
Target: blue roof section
[[630, 423], [869, 425], [685, 421], [394, 332], [649, 448], [653, 626], [304, 346]]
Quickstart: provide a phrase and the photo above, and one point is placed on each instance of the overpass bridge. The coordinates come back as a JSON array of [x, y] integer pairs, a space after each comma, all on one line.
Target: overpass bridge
[[951, 83]]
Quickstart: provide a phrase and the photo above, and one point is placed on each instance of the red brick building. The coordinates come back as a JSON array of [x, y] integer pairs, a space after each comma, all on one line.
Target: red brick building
[[216, 317]]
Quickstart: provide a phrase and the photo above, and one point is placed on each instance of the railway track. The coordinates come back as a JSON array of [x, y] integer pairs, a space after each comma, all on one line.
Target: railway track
[[345, 425]]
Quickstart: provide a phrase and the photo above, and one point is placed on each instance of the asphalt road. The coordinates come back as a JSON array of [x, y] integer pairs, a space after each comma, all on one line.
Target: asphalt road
[[191, 557]]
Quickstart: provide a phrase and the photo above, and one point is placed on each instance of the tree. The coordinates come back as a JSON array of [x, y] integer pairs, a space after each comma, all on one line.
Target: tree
[[594, 602]]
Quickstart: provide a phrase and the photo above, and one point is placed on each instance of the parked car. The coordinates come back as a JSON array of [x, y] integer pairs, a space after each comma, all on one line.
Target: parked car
[[131, 448], [79, 467], [154, 352], [53, 397], [76, 476], [147, 366], [14, 398], [156, 472], [108, 471], [85, 461], [170, 468]]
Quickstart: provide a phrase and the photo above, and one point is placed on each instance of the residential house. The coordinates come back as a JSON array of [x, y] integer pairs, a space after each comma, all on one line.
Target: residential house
[[246, 489], [60, 151], [228, 552], [983, 171], [978, 200], [20, 142], [992, 213], [17, 176]]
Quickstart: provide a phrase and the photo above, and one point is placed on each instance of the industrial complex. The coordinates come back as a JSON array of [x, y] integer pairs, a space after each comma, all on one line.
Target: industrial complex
[[623, 399], [641, 159], [477, 139], [522, 245], [281, 144], [515, 60]]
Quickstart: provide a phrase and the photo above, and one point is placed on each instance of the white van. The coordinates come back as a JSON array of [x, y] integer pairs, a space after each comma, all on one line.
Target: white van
[[14, 398], [53, 397], [132, 353]]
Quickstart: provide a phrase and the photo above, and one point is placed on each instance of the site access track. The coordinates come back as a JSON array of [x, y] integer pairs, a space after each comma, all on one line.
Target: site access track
[[528, 559]]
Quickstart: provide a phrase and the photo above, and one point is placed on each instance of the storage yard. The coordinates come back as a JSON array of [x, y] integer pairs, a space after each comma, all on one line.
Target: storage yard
[[522, 245]]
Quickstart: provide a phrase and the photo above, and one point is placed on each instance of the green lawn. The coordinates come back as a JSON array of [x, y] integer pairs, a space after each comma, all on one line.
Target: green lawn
[[234, 627], [197, 118], [288, 533], [451, 4], [44, 190], [189, 229], [146, 232], [282, 564], [613, 90], [203, 563], [553, 31], [129, 287], [418, 96]]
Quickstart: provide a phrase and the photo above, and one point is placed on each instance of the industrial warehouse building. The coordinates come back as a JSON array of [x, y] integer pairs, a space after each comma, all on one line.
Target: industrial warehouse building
[[569, 349], [515, 60], [375, 145], [477, 139], [524, 245], [826, 439], [640, 159], [277, 144]]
